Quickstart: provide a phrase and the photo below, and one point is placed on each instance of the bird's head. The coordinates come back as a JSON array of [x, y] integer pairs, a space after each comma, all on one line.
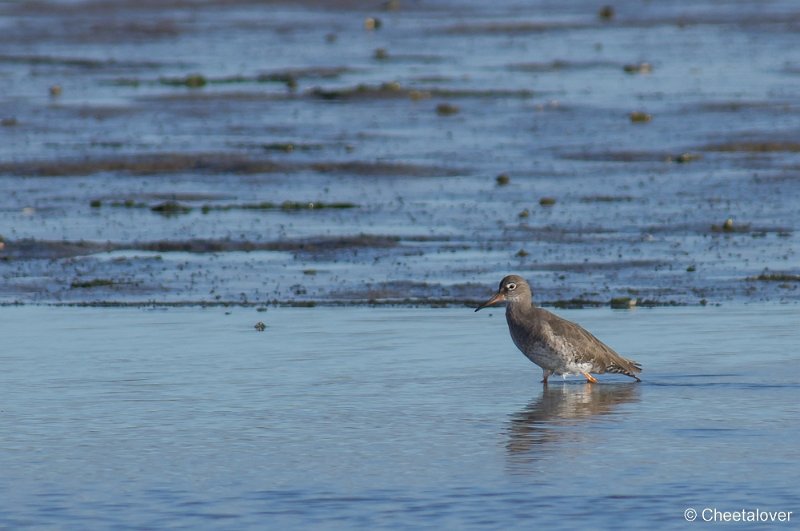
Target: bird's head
[[513, 289]]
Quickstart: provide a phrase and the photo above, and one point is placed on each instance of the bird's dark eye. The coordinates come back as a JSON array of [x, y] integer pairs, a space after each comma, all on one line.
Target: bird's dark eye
[[511, 286]]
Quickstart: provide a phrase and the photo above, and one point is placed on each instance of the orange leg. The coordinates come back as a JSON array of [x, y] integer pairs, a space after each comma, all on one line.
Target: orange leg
[[589, 377]]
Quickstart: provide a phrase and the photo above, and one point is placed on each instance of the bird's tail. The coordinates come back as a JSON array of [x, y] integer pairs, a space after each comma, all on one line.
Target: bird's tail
[[628, 368]]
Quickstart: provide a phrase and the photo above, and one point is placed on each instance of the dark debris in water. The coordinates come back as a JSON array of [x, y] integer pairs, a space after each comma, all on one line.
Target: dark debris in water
[[623, 303], [285, 206], [306, 245], [777, 146], [630, 156], [28, 249], [174, 208], [728, 226], [94, 283], [385, 90], [219, 163], [289, 77], [447, 109], [638, 68], [737, 106], [512, 28], [171, 208], [394, 90], [775, 277], [290, 147], [607, 198], [563, 65], [312, 205], [77, 62], [153, 164]]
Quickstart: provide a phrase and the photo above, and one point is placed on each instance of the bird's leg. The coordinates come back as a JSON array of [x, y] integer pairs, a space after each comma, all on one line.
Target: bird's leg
[[589, 377], [546, 374]]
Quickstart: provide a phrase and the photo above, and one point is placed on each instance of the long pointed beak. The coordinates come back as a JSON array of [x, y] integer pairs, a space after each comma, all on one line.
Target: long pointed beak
[[496, 299]]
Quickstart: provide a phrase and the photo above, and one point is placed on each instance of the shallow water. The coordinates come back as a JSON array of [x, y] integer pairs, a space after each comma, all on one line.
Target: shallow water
[[298, 107], [389, 417]]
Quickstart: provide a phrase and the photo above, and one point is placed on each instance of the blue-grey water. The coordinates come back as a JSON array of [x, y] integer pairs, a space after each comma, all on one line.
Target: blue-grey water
[[389, 417]]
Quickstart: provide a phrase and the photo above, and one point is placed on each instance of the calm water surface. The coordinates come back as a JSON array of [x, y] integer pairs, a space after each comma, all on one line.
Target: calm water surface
[[387, 417]]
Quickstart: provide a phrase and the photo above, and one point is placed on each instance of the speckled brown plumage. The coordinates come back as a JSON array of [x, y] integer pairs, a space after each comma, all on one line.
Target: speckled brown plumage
[[556, 345]]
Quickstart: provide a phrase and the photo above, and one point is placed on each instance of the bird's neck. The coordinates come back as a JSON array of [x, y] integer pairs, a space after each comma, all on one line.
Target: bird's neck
[[516, 309]]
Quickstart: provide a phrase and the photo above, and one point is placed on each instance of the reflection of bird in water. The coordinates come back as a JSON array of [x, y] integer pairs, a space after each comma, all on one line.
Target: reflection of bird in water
[[536, 427]]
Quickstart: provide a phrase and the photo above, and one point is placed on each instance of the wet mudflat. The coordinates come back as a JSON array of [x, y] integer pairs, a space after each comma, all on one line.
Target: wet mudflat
[[387, 418], [344, 152]]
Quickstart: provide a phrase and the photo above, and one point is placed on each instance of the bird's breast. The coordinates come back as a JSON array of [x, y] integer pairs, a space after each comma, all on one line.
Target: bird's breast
[[542, 346]]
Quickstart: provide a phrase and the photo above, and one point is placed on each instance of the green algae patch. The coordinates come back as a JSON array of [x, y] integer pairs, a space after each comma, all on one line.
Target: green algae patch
[[606, 13], [447, 109], [684, 158], [622, 303], [729, 227], [547, 201], [171, 208], [637, 68], [289, 77]]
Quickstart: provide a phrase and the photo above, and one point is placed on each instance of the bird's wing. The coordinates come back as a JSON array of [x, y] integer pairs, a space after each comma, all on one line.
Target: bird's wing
[[589, 347]]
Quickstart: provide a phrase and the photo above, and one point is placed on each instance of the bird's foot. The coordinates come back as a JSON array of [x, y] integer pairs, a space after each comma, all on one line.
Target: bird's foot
[[589, 377]]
